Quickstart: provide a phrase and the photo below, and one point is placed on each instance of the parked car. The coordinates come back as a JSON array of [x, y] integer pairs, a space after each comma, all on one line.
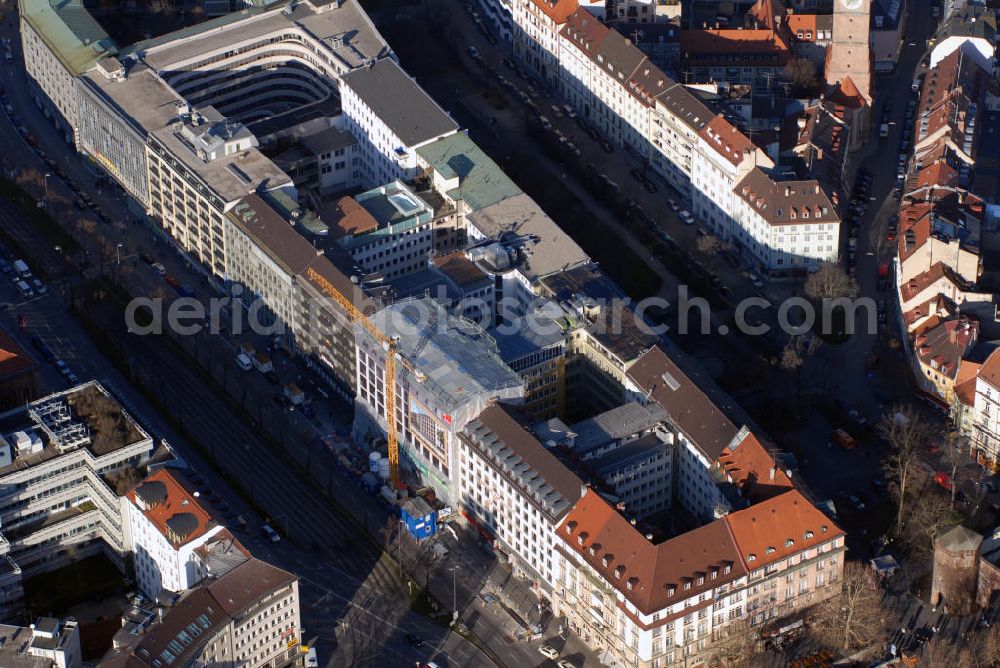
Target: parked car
[[40, 287], [159, 268], [686, 216], [549, 652], [843, 439]]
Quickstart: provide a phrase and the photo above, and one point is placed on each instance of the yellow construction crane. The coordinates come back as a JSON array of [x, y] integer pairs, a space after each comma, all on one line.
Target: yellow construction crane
[[389, 346]]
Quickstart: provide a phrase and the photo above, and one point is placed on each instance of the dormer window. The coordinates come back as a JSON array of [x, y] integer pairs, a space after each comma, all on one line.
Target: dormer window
[[700, 581], [619, 571], [715, 574], [789, 542], [631, 583], [770, 549], [687, 586], [751, 557], [725, 571], [670, 591]]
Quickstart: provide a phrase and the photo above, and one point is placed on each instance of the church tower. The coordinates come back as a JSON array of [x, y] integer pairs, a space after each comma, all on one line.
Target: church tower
[[849, 54]]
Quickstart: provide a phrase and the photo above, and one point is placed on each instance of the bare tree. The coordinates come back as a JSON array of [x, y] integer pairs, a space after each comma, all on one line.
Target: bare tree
[[830, 282], [801, 72], [709, 246], [907, 433], [928, 513], [954, 453], [793, 358], [736, 644], [854, 617]]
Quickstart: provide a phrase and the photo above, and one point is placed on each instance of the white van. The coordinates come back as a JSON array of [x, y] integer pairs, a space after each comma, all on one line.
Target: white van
[[271, 534], [244, 362]]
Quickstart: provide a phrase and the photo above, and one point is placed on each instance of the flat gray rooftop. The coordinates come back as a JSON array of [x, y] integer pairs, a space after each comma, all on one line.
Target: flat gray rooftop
[[630, 453], [459, 359], [345, 30], [142, 96], [619, 422], [258, 171], [395, 98], [552, 249]]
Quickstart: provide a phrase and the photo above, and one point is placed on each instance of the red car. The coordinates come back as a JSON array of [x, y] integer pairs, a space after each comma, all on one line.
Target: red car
[[890, 235], [943, 479], [171, 281]]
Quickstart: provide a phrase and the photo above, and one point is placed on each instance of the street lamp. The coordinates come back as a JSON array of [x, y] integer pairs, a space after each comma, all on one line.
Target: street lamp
[[118, 258], [45, 178]]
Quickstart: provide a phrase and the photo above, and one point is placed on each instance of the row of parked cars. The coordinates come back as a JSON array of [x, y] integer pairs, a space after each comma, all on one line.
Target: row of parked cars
[[49, 356], [20, 275]]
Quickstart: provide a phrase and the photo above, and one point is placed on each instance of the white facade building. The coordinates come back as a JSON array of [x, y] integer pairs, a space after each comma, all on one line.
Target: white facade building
[[167, 526], [511, 487], [247, 617], [536, 35], [725, 157], [785, 227], [391, 116], [986, 411], [386, 229]]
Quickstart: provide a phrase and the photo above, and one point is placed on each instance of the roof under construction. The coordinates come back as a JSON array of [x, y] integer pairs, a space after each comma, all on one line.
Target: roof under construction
[[451, 357]]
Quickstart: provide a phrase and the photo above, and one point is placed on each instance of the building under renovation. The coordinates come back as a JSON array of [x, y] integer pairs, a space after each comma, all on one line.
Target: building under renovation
[[448, 370]]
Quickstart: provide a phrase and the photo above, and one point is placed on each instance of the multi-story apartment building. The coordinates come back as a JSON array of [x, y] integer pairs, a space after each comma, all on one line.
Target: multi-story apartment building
[[661, 603], [387, 230], [510, 486], [265, 256], [247, 617], [536, 35], [678, 121], [59, 463], [167, 526], [727, 156], [985, 435], [392, 117], [784, 227]]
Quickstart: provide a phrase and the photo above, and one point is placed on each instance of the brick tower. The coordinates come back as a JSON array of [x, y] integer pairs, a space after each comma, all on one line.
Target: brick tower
[[849, 54]]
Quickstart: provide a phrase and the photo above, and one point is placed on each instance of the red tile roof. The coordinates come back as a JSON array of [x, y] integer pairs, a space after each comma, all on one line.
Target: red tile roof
[[702, 46], [848, 95], [557, 10], [990, 371], [650, 576], [13, 358], [786, 202], [752, 469], [924, 280], [965, 382], [943, 347], [585, 32], [353, 219], [727, 140], [939, 173], [174, 503], [775, 529]]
